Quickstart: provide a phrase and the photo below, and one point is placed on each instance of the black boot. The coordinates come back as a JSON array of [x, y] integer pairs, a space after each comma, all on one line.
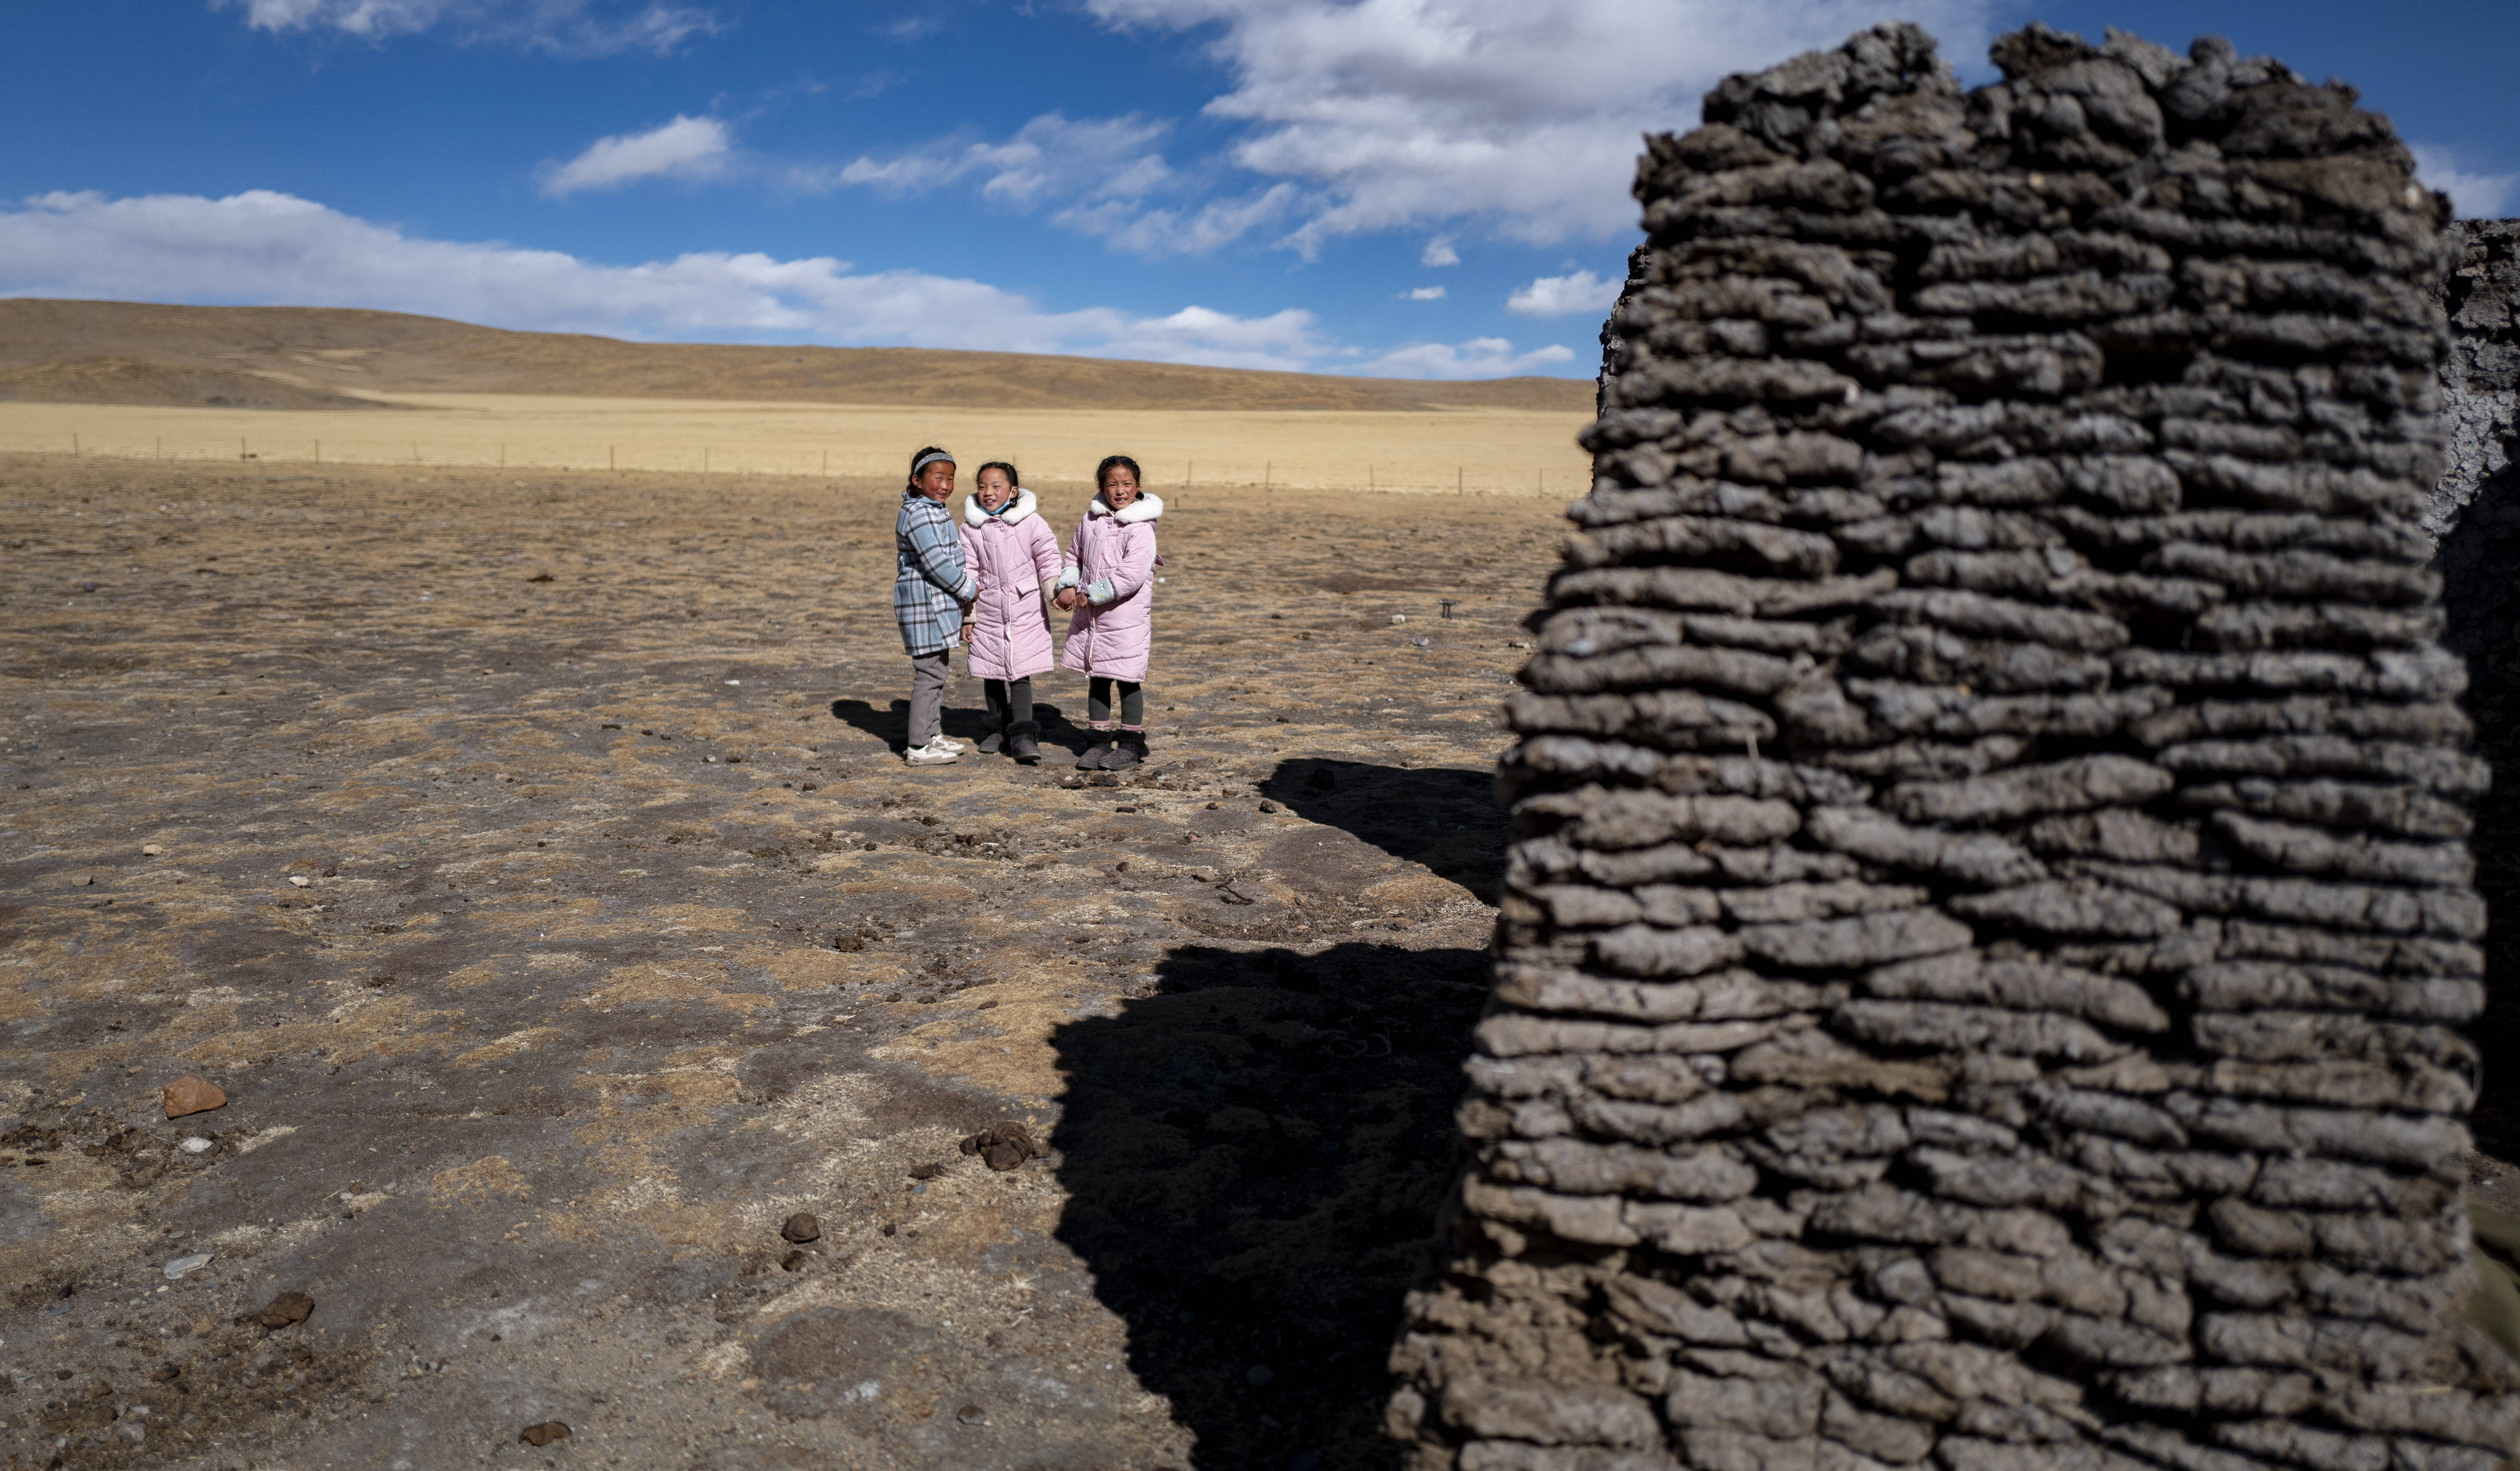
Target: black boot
[[1097, 753], [1020, 744], [994, 742], [1126, 751]]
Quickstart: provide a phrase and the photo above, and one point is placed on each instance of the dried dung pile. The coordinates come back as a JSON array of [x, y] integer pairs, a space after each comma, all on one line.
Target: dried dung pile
[[1990, 921]]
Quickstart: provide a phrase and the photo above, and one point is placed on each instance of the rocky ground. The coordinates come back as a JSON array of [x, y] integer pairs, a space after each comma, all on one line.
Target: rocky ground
[[526, 861]]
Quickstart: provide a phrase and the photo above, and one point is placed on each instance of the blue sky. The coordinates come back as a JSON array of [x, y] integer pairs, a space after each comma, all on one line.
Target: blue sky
[[1403, 187]]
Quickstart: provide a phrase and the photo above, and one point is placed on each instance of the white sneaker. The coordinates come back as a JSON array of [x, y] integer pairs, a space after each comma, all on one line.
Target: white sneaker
[[945, 743], [933, 753]]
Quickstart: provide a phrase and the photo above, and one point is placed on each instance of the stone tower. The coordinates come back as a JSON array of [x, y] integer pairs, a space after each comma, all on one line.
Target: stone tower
[[1990, 923]]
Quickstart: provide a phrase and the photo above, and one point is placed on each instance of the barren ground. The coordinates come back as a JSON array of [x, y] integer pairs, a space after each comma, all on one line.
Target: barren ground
[[622, 935]]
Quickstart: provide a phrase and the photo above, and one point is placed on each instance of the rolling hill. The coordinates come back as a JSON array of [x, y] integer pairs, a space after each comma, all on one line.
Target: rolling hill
[[121, 352]]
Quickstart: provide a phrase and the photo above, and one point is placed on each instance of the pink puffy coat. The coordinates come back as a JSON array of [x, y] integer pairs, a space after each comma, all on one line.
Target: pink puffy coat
[[1013, 555], [1113, 639]]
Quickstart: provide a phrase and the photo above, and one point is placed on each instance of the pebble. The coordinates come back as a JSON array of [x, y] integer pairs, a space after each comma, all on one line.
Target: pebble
[[802, 1227], [150, 850], [1268, 807], [791, 1262], [81, 880], [197, 1145], [300, 880], [182, 1265], [190, 1095], [972, 1414], [1421, 641], [291, 1308], [543, 1434], [1399, 618]]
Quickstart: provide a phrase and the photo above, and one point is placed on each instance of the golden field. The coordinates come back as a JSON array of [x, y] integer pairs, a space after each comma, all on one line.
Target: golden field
[[1485, 451]]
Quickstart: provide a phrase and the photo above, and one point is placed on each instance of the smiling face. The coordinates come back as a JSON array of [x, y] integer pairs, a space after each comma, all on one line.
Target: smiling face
[[994, 489], [1119, 487], [936, 482]]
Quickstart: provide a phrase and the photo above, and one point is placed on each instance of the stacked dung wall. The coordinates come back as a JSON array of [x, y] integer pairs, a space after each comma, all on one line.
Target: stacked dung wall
[[1985, 946]]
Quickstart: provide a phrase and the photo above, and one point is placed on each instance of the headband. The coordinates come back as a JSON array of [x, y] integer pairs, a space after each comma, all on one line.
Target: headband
[[928, 459]]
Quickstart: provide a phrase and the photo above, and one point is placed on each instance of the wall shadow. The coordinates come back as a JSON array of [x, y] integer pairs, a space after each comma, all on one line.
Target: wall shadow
[[1253, 1157], [1445, 818], [2479, 561]]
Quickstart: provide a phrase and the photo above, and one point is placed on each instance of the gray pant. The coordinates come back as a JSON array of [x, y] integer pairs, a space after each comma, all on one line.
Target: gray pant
[[927, 672]]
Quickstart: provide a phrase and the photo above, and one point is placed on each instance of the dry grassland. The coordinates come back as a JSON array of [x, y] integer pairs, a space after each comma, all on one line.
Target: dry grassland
[[1480, 451], [526, 856]]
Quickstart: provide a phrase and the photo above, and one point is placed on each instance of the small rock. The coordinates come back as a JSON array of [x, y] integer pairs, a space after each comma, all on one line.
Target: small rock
[[1259, 1376], [150, 850], [197, 1145], [1268, 807], [190, 1095], [300, 880], [543, 1434], [540, 577], [165, 1373], [1103, 778], [791, 1262], [1003, 1146], [927, 1171], [1399, 618], [182, 1265], [81, 880], [972, 1414], [1071, 781], [293, 1308], [802, 1227], [1420, 640]]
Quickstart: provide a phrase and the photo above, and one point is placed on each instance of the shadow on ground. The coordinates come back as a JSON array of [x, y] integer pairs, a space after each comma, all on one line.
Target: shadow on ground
[[1253, 1156], [891, 724], [1443, 817]]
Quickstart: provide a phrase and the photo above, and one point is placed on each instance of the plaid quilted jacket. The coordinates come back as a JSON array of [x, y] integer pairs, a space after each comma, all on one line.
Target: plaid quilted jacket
[[933, 586]]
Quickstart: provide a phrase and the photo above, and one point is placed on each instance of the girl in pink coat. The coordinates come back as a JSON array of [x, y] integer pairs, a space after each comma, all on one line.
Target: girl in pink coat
[[1111, 582], [1013, 555]]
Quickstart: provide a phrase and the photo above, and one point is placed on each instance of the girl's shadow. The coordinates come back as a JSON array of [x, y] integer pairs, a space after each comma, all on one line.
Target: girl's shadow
[[891, 724]]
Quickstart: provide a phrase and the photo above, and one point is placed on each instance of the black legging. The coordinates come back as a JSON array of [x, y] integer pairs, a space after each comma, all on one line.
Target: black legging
[[1133, 703], [1009, 702]]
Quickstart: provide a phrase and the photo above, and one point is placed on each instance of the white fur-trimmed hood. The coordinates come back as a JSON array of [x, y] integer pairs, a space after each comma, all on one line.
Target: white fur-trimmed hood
[[1025, 504], [1146, 507]]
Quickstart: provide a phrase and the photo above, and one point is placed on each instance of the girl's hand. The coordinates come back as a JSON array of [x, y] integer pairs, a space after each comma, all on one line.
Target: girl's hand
[[1066, 601]]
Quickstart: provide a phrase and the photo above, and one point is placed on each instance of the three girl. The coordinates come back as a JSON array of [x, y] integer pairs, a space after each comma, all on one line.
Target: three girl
[[986, 582]]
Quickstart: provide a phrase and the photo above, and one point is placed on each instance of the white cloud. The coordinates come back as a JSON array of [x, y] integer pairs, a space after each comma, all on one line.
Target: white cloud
[[1423, 294], [1564, 296], [1521, 118], [1164, 232], [1439, 251], [2475, 196], [1479, 357], [569, 27], [1096, 158], [264, 247], [687, 148]]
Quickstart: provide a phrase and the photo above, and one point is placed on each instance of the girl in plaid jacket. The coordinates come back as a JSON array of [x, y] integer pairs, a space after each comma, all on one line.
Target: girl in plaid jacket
[[930, 594]]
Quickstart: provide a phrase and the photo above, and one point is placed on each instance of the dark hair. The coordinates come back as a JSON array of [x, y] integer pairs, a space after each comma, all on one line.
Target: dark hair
[[1111, 462], [1013, 479], [912, 484]]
